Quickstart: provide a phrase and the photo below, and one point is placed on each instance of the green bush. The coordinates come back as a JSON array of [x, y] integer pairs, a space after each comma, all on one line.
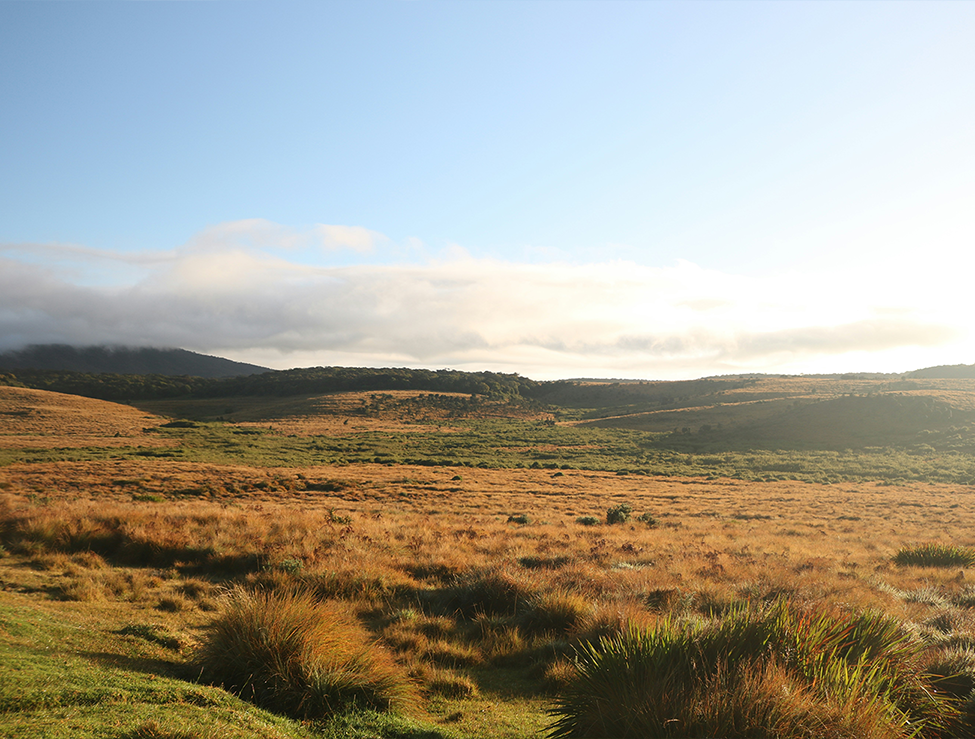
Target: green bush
[[775, 672], [292, 654], [647, 518], [936, 555], [619, 514], [588, 521]]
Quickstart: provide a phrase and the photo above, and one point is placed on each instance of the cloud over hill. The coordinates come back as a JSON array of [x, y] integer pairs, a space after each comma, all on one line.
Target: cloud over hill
[[278, 296]]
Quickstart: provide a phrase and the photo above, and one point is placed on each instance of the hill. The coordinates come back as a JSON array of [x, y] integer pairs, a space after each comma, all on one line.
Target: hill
[[36, 419], [828, 412], [125, 361], [953, 371], [734, 413], [281, 383]]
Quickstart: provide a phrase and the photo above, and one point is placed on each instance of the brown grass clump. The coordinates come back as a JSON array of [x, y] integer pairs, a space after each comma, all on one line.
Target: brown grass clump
[[495, 592], [444, 682], [558, 612], [293, 654]]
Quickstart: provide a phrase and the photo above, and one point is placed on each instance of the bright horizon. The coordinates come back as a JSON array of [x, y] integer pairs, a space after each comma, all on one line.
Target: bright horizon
[[558, 189]]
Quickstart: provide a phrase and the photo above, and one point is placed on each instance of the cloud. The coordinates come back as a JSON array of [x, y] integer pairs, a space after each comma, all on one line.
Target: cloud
[[239, 290], [258, 234], [356, 238]]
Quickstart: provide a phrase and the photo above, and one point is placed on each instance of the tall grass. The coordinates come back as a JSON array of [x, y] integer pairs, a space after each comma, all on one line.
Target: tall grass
[[292, 654], [773, 672]]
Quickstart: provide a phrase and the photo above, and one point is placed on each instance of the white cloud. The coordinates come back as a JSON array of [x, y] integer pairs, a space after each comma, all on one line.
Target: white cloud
[[237, 290], [356, 238], [258, 234]]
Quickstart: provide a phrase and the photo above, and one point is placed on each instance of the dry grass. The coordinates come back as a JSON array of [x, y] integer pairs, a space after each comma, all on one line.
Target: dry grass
[[390, 528], [42, 419], [435, 568]]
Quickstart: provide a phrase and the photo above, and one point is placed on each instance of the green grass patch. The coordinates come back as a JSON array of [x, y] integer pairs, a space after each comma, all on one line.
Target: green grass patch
[[63, 676], [936, 555]]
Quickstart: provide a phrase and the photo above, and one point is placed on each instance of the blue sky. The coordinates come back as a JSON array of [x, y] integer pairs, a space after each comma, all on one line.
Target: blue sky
[[559, 189]]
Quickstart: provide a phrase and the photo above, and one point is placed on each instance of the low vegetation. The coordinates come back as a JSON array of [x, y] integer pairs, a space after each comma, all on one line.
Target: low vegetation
[[479, 576], [770, 671]]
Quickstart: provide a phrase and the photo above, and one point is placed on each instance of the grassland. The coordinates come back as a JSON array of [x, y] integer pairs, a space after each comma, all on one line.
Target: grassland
[[467, 540]]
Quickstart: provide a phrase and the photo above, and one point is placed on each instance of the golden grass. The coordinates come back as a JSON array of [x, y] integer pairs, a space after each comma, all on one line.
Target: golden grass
[[439, 569], [293, 654], [396, 529], [41, 419]]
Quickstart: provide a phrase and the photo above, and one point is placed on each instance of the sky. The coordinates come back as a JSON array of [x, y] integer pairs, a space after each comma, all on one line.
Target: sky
[[651, 190]]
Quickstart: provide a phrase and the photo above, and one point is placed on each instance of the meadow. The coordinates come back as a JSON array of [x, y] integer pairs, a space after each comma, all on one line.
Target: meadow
[[409, 564]]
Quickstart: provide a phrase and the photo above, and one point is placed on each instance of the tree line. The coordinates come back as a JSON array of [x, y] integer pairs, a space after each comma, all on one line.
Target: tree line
[[306, 381]]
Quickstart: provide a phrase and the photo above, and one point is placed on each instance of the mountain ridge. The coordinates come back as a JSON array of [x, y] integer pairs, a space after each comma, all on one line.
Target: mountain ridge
[[125, 360]]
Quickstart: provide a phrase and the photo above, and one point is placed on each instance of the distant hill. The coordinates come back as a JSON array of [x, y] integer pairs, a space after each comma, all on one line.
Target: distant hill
[[124, 361], [946, 372]]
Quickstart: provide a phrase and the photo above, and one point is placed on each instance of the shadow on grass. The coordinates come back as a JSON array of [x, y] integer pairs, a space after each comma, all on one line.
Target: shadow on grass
[[178, 669]]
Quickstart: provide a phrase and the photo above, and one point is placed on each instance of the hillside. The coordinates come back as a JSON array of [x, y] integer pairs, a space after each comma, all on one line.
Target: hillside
[[828, 413], [37, 419], [124, 360], [735, 413]]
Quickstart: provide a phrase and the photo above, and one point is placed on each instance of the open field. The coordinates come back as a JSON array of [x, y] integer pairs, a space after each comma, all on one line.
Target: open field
[[477, 586]]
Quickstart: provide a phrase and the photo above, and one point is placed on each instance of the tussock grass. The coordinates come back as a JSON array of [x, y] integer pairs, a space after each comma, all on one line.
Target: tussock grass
[[494, 592], [558, 612], [290, 653], [774, 672], [936, 555], [439, 681], [953, 671]]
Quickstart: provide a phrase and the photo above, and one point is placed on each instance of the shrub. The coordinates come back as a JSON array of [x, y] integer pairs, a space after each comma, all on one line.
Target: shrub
[[619, 514], [936, 555], [647, 518], [289, 653], [587, 521]]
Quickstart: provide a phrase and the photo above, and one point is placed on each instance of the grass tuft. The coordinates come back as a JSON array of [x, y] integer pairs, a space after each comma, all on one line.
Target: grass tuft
[[773, 672], [495, 592], [559, 612], [292, 654], [935, 555]]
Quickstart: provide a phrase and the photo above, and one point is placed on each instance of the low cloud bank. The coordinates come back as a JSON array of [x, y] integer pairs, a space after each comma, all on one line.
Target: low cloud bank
[[263, 293]]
